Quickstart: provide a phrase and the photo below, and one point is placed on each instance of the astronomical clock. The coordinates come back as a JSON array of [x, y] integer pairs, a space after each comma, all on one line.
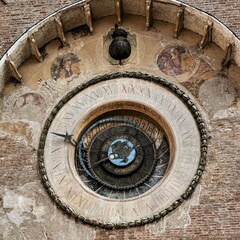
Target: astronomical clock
[[119, 102], [123, 148]]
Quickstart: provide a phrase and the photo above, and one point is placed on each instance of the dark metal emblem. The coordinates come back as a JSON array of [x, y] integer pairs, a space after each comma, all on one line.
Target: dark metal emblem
[[120, 47]]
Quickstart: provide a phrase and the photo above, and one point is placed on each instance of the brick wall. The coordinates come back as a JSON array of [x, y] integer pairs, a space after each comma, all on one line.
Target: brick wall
[[18, 16], [228, 12]]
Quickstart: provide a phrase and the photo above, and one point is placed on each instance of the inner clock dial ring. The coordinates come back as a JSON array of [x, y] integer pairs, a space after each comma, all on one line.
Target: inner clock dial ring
[[129, 124], [131, 159]]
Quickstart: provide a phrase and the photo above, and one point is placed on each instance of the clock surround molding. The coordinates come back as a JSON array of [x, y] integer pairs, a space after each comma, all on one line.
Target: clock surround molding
[[185, 99]]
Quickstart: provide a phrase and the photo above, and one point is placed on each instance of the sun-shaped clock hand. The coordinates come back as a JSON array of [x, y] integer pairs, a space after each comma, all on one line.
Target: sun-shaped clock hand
[[67, 138]]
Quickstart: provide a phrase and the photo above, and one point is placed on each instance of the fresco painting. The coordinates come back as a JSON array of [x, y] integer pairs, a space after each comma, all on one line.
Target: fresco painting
[[175, 60], [24, 105], [65, 67]]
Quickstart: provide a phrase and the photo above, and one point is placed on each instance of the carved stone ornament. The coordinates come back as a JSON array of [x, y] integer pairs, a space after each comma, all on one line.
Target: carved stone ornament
[[179, 23], [119, 11], [123, 149], [60, 31], [207, 37], [88, 16], [34, 48], [13, 70], [148, 14]]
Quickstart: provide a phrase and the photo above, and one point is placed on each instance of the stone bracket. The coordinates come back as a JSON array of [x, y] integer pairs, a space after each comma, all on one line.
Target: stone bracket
[[229, 56], [149, 15], [60, 31], [13, 70], [119, 10], [88, 16], [34, 48], [179, 23], [207, 37]]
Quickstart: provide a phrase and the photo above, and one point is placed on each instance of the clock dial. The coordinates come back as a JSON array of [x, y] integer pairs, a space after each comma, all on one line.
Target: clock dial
[[121, 155], [122, 150]]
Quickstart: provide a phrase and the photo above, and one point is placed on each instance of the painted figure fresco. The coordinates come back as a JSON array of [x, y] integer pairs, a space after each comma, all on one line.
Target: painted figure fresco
[[175, 60], [65, 66], [81, 31], [31, 106], [216, 94]]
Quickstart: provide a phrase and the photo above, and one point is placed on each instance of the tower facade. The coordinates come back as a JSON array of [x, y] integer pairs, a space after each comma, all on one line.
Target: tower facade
[[99, 144]]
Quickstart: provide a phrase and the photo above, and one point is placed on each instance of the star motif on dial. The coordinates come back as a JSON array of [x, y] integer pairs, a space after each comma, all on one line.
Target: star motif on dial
[[68, 138]]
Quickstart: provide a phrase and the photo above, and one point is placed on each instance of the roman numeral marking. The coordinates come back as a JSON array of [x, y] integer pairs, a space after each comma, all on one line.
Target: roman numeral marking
[[69, 191], [171, 106], [186, 135], [61, 126], [128, 89], [55, 150], [68, 116], [57, 166], [146, 91], [180, 120], [78, 105], [74, 197], [162, 97], [148, 208], [62, 180], [107, 90], [135, 211]]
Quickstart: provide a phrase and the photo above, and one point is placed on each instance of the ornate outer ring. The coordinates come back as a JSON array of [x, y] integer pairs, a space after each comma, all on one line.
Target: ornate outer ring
[[137, 75]]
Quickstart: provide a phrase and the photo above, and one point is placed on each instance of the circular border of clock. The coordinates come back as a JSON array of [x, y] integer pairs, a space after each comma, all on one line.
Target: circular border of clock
[[101, 120]]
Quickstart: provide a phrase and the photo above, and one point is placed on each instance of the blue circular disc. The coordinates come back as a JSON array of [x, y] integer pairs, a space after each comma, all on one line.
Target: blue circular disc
[[121, 152]]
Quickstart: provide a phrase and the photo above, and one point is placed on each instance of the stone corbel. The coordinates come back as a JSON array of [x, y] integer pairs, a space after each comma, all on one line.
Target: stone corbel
[[227, 60], [13, 70], [179, 23], [207, 37], [119, 10], [148, 14], [34, 48], [5, 2], [60, 31], [88, 16]]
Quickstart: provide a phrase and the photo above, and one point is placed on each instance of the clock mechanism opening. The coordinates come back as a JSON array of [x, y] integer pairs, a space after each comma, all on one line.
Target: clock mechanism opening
[[122, 152]]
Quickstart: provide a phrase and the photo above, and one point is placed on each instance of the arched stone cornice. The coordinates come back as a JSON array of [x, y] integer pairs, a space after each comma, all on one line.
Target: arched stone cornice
[[84, 11]]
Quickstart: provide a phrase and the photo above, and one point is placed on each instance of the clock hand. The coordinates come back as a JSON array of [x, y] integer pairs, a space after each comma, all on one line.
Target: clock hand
[[100, 161], [111, 156], [67, 138]]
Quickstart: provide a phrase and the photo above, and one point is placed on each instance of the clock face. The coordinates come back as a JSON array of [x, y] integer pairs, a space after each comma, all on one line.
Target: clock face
[[123, 150], [121, 157]]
